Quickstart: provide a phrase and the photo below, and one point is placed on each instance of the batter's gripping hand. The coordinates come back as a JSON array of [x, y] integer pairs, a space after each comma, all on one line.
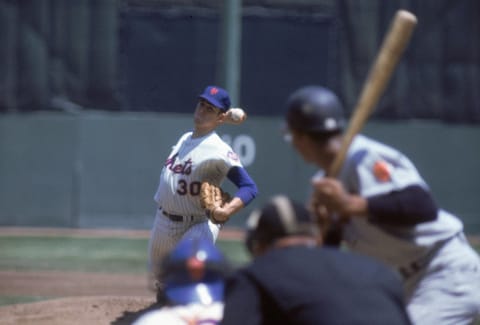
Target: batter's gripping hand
[[211, 198]]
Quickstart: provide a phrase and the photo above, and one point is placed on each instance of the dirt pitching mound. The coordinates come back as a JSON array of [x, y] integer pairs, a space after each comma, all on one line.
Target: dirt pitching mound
[[78, 310]]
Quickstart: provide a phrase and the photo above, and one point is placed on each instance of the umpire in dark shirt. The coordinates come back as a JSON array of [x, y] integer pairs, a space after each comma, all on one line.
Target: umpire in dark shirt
[[292, 280]]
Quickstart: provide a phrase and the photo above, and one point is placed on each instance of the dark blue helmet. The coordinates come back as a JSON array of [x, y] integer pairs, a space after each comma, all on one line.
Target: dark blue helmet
[[194, 272], [315, 109]]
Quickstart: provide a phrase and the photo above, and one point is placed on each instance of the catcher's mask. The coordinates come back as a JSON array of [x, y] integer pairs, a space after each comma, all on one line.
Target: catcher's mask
[[280, 217], [194, 272], [314, 109]]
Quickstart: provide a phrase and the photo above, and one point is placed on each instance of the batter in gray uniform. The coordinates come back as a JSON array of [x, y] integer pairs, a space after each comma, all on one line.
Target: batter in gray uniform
[[387, 211]]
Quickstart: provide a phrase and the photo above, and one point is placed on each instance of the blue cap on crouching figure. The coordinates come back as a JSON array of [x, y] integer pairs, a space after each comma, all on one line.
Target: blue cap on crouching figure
[[195, 272]]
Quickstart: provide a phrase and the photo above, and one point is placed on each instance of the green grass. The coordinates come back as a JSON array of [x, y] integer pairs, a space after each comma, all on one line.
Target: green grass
[[117, 255], [235, 252], [7, 300], [114, 255], [73, 254], [88, 254]]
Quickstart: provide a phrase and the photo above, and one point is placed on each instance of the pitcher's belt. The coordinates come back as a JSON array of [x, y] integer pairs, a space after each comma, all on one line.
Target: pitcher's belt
[[176, 217]]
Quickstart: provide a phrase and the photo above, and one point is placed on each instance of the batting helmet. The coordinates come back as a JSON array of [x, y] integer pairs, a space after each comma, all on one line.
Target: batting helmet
[[194, 272], [314, 109]]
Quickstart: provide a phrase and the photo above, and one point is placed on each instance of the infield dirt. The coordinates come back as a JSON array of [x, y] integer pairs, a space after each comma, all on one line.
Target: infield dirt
[[77, 297]]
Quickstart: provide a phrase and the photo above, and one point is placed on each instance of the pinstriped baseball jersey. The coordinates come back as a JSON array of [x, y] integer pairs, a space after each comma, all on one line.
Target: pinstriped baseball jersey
[[192, 161], [372, 168]]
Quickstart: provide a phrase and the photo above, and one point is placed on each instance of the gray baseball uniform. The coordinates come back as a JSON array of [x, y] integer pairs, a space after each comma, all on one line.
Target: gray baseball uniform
[[440, 269]]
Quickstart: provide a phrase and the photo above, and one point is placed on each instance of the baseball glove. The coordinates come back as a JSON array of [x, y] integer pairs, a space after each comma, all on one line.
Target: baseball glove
[[211, 198]]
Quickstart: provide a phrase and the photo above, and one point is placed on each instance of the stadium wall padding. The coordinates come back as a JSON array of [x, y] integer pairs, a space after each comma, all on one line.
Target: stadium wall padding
[[100, 169]]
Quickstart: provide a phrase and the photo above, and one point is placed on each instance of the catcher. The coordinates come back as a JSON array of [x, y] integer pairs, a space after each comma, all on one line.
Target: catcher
[[292, 280], [190, 201]]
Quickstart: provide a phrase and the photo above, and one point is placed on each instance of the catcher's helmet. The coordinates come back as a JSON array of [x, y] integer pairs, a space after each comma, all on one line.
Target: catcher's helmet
[[314, 109], [279, 217], [194, 272]]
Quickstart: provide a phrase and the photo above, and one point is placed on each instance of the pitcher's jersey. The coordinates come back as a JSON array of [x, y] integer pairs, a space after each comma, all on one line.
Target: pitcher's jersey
[[192, 161], [372, 168]]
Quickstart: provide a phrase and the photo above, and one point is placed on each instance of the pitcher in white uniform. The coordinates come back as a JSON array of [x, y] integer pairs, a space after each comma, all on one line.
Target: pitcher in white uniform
[[385, 209], [199, 155]]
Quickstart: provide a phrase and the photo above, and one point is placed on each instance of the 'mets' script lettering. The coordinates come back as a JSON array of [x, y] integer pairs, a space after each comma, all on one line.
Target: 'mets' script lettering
[[184, 169]]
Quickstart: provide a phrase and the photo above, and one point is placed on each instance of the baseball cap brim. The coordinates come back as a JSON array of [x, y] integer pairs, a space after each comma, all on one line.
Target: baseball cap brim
[[212, 101], [204, 293]]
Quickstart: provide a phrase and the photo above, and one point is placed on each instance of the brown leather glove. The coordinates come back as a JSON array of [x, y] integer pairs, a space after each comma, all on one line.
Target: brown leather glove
[[211, 198]]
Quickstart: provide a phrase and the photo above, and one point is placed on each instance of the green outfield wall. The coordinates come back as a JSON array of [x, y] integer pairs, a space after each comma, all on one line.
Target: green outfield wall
[[100, 169]]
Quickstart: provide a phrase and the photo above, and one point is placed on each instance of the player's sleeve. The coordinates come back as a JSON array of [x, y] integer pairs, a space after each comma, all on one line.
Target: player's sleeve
[[242, 301], [247, 189], [396, 193], [406, 207], [379, 170]]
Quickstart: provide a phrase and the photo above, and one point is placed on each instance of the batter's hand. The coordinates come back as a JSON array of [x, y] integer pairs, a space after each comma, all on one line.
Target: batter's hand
[[334, 197], [319, 210]]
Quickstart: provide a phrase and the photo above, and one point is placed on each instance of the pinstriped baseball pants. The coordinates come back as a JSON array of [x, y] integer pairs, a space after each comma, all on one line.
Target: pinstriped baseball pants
[[166, 233]]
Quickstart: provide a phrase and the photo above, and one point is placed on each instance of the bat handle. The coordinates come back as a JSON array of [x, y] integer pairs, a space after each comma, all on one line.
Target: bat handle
[[334, 234]]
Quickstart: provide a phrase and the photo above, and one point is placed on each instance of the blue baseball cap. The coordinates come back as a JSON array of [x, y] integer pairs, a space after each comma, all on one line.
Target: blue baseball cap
[[195, 272], [204, 293], [217, 96]]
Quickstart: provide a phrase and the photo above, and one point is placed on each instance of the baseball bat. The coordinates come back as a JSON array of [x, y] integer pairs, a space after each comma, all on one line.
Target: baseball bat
[[392, 48]]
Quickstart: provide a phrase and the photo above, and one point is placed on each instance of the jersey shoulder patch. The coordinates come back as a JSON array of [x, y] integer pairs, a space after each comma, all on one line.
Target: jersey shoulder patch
[[382, 171], [233, 156]]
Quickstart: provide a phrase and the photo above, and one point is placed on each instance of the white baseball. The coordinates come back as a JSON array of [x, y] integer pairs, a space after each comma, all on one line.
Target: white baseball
[[237, 114]]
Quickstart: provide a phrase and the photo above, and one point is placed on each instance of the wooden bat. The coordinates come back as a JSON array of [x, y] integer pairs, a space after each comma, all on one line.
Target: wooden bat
[[393, 45], [390, 52]]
